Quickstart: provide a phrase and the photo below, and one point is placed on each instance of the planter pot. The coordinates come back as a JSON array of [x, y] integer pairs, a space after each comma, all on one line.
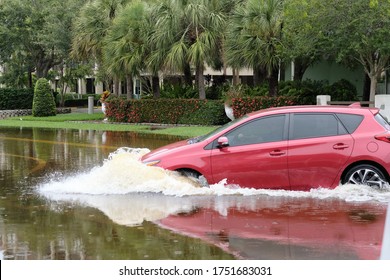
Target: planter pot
[[229, 112]]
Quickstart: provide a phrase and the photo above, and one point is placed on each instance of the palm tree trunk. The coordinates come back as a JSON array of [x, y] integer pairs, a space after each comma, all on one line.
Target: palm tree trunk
[[187, 74], [236, 77], [200, 78], [129, 87], [273, 82], [116, 86], [156, 86]]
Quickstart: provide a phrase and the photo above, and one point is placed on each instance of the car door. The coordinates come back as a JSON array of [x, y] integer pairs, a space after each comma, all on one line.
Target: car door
[[256, 155], [318, 147]]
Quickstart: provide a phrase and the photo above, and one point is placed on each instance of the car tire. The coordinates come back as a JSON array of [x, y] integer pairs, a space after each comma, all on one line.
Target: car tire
[[198, 178], [366, 174]]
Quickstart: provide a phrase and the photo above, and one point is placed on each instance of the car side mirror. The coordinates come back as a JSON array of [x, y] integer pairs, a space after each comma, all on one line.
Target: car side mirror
[[223, 142]]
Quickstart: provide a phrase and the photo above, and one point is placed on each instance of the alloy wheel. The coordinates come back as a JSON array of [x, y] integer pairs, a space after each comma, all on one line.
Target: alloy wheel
[[367, 176]]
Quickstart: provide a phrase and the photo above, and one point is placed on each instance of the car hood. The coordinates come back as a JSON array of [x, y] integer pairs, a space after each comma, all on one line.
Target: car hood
[[160, 151]]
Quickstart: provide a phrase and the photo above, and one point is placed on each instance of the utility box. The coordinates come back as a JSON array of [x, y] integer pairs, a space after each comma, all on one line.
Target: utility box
[[323, 100]]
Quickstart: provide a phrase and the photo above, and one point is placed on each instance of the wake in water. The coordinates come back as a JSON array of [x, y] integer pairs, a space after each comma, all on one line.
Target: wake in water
[[123, 173]]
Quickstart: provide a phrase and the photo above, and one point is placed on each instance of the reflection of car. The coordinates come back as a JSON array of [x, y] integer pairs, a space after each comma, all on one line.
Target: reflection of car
[[297, 148], [287, 228]]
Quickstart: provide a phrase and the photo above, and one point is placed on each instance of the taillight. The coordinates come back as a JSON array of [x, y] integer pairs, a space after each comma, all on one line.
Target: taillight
[[383, 137]]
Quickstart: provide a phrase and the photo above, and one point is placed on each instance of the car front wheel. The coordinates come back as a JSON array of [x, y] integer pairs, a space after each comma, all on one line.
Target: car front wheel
[[365, 174], [196, 177]]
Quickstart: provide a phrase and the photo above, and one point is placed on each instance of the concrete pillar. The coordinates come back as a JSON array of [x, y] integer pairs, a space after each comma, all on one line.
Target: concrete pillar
[[99, 88], [90, 104], [82, 86], [382, 101], [323, 100]]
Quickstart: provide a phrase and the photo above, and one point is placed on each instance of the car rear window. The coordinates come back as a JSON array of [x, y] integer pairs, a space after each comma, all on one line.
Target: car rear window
[[350, 121], [382, 121]]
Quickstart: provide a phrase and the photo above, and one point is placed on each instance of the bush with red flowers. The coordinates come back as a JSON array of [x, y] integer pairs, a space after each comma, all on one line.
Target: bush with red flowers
[[187, 111]]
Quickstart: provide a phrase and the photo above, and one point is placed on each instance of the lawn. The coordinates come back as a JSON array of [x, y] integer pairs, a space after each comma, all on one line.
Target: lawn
[[95, 121]]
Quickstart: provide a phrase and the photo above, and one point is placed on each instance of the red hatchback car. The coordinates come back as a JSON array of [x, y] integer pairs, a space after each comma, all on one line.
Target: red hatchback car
[[292, 148]]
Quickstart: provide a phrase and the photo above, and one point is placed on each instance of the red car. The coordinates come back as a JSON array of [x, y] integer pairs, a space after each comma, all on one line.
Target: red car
[[292, 148]]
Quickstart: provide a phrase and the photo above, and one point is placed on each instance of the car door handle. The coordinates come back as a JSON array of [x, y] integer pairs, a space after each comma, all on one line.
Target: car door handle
[[277, 153], [340, 146]]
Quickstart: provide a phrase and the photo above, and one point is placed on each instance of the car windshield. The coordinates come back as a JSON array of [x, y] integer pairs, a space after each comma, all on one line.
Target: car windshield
[[380, 119], [214, 132]]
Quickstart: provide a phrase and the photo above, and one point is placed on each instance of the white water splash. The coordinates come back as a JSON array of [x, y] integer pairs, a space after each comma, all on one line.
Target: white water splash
[[123, 173]]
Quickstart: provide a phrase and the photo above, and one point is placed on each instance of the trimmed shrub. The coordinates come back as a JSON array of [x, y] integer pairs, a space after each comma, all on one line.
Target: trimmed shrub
[[12, 99], [168, 111], [208, 113], [187, 111], [244, 105], [43, 102]]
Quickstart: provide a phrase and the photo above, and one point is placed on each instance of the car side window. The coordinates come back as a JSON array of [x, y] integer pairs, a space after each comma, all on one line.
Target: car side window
[[350, 121], [315, 125], [261, 130]]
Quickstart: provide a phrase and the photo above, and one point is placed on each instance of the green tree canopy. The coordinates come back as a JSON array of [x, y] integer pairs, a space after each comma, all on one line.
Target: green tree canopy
[[35, 35], [352, 32]]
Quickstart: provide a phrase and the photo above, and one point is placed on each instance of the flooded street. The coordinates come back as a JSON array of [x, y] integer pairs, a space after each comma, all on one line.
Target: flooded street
[[72, 194]]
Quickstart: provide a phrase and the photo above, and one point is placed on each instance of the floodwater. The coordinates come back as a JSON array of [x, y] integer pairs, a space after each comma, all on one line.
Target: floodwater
[[70, 194]]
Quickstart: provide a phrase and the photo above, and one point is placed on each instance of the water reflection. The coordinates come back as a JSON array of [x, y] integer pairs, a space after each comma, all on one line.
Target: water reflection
[[62, 196], [255, 227], [31, 227], [287, 228]]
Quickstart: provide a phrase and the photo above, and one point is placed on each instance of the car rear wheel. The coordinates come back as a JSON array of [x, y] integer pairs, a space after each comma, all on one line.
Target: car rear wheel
[[365, 174]]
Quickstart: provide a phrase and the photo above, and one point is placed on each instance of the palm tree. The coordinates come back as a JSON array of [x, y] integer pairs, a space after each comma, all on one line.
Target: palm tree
[[91, 28], [188, 33], [124, 50], [254, 39]]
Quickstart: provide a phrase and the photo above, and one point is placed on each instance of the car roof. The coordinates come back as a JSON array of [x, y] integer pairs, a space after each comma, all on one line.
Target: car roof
[[352, 109]]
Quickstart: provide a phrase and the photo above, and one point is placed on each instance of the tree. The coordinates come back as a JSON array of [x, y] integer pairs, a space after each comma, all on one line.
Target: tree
[[189, 33], [352, 32], [364, 27], [254, 38], [302, 41], [43, 101], [67, 74], [125, 43], [90, 30], [36, 33]]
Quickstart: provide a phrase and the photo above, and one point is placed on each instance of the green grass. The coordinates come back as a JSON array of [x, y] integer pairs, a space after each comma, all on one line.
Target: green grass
[[86, 121]]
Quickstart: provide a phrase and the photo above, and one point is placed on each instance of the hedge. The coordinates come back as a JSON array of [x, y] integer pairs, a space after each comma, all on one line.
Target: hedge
[[11, 99], [244, 105], [187, 111], [168, 111]]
